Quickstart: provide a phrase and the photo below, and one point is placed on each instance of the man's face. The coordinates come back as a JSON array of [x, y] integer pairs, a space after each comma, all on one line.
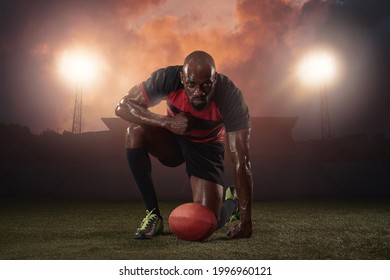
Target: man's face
[[199, 83]]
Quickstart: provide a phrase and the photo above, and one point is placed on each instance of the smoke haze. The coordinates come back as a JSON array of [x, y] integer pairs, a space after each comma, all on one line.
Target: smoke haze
[[256, 43]]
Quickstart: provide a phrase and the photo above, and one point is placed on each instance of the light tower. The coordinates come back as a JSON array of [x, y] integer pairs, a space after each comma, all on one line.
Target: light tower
[[317, 69], [325, 121], [78, 66], [78, 110]]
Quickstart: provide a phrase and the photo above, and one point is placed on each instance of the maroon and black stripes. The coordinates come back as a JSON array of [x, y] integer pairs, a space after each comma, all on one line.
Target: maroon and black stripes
[[207, 125]]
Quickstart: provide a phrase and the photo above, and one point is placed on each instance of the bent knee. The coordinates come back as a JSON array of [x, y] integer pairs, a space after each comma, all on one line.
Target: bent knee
[[135, 136], [135, 129]]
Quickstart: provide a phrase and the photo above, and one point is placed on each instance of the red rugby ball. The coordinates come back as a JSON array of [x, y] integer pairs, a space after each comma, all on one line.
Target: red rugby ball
[[192, 221]]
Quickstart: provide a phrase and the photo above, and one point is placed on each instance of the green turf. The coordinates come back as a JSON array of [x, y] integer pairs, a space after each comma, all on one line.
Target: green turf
[[282, 230]]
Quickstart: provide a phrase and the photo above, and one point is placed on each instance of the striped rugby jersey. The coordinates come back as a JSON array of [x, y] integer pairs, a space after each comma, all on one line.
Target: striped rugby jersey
[[226, 111]]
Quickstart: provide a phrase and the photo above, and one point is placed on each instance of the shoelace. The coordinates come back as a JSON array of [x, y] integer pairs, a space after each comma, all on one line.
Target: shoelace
[[233, 218], [145, 221]]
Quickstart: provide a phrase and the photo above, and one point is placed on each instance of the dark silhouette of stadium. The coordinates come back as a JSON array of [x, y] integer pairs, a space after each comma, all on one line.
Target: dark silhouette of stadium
[[92, 165]]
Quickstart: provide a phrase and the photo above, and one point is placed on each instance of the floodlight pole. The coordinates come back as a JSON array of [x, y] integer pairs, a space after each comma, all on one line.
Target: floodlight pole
[[78, 110], [325, 122]]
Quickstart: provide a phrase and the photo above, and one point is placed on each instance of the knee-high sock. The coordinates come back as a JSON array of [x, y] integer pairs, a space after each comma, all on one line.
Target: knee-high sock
[[227, 210], [141, 167]]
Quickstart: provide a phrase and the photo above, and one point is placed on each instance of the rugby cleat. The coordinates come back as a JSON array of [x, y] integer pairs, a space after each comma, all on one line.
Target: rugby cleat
[[152, 225], [231, 194]]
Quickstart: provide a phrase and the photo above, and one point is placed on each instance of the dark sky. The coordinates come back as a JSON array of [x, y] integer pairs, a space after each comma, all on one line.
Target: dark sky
[[256, 43]]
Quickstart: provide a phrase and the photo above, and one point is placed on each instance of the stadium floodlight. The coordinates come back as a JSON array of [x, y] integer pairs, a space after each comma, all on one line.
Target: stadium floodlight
[[78, 67], [318, 68]]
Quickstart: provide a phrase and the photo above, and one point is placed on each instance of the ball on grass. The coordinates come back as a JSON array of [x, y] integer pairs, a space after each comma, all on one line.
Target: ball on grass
[[192, 221]]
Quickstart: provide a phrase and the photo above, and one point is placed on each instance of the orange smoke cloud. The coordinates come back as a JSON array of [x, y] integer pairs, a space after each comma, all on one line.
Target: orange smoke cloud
[[255, 53], [260, 48]]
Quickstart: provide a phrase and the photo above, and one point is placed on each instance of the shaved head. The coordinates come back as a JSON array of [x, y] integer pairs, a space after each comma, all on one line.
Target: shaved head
[[199, 59]]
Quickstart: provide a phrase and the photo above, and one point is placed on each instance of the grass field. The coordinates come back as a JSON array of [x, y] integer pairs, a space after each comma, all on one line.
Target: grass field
[[349, 229]]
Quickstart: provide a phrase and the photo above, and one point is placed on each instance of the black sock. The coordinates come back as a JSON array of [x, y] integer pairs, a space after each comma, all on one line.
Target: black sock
[[227, 210], [141, 167]]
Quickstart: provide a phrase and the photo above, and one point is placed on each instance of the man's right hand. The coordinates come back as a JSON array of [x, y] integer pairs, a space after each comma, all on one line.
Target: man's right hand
[[134, 108], [179, 124]]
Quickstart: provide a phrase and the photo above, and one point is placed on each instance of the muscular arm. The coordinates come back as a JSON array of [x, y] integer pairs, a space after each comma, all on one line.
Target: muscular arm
[[134, 108], [238, 151]]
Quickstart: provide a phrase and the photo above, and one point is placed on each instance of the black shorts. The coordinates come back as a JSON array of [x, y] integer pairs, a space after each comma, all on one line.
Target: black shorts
[[203, 160]]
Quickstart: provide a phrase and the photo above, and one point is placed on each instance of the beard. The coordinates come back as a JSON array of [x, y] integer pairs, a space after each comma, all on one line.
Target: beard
[[199, 106]]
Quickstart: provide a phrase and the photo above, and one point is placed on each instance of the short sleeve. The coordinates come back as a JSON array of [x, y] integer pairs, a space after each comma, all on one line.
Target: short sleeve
[[161, 83], [234, 110]]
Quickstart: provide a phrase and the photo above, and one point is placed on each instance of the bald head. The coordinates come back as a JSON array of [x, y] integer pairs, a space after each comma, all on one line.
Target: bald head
[[199, 60]]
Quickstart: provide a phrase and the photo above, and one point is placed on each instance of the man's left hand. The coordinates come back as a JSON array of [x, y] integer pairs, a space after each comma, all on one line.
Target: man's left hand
[[240, 230]]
